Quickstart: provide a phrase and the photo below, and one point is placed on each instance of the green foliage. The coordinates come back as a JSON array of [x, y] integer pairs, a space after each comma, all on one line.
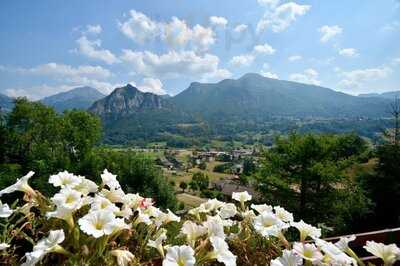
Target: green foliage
[[248, 166], [203, 165], [307, 174], [384, 187], [35, 137], [183, 185], [201, 180], [225, 168]]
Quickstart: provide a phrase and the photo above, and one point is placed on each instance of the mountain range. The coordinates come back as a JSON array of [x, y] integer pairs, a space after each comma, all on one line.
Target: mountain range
[[231, 105], [386, 95], [78, 98], [249, 96]]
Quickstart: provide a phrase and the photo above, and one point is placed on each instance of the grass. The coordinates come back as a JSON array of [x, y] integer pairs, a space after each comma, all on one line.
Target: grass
[[190, 200]]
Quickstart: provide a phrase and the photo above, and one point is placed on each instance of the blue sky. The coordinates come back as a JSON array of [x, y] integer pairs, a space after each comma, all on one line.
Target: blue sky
[[162, 46]]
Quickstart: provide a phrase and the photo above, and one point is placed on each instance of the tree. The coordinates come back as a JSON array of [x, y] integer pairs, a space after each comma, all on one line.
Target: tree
[[183, 185], [203, 165], [201, 180], [393, 135], [82, 131], [248, 166], [193, 186], [307, 174], [384, 184]]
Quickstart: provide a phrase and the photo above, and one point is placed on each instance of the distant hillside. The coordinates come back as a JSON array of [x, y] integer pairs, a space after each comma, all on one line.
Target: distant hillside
[[386, 95], [78, 98], [255, 95], [6, 103], [240, 109], [127, 100], [129, 114]]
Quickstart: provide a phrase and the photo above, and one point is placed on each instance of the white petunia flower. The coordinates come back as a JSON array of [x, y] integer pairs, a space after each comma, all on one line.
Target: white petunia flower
[[124, 257], [192, 231], [214, 226], [260, 208], [110, 180], [241, 196], [102, 203], [306, 230], [132, 200], [86, 186], [283, 214], [158, 242], [197, 211], [68, 198], [5, 210], [343, 243], [308, 252], [227, 210], [143, 218], [288, 258], [63, 214], [114, 195], [388, 253], [20, 185], [124, 211], [267, 224], [98, 223], [44, 246], [64, 179], [221, 251], [171, 217], [179, 256], [4, 246], [334, 255], [119, 224], [211, 205]]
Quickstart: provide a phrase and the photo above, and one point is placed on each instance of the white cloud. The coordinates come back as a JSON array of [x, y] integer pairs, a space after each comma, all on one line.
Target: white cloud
[[240, 28], [264, 49], [66, 71], [391, 27], [265, 71], [268, 3], [93, 29], [248, 58], [139, 27], [309, 76], [396, 61], [269, 75], [279, 17], [37, 92], [328, 32], [217, 75], [202, 38], [92, 49], [218, 21], [172, 64], [242, 60], [295, 58], [348, 52], [152, 85], [176, 33], [40, 91], [355, 80], [69, 76]]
